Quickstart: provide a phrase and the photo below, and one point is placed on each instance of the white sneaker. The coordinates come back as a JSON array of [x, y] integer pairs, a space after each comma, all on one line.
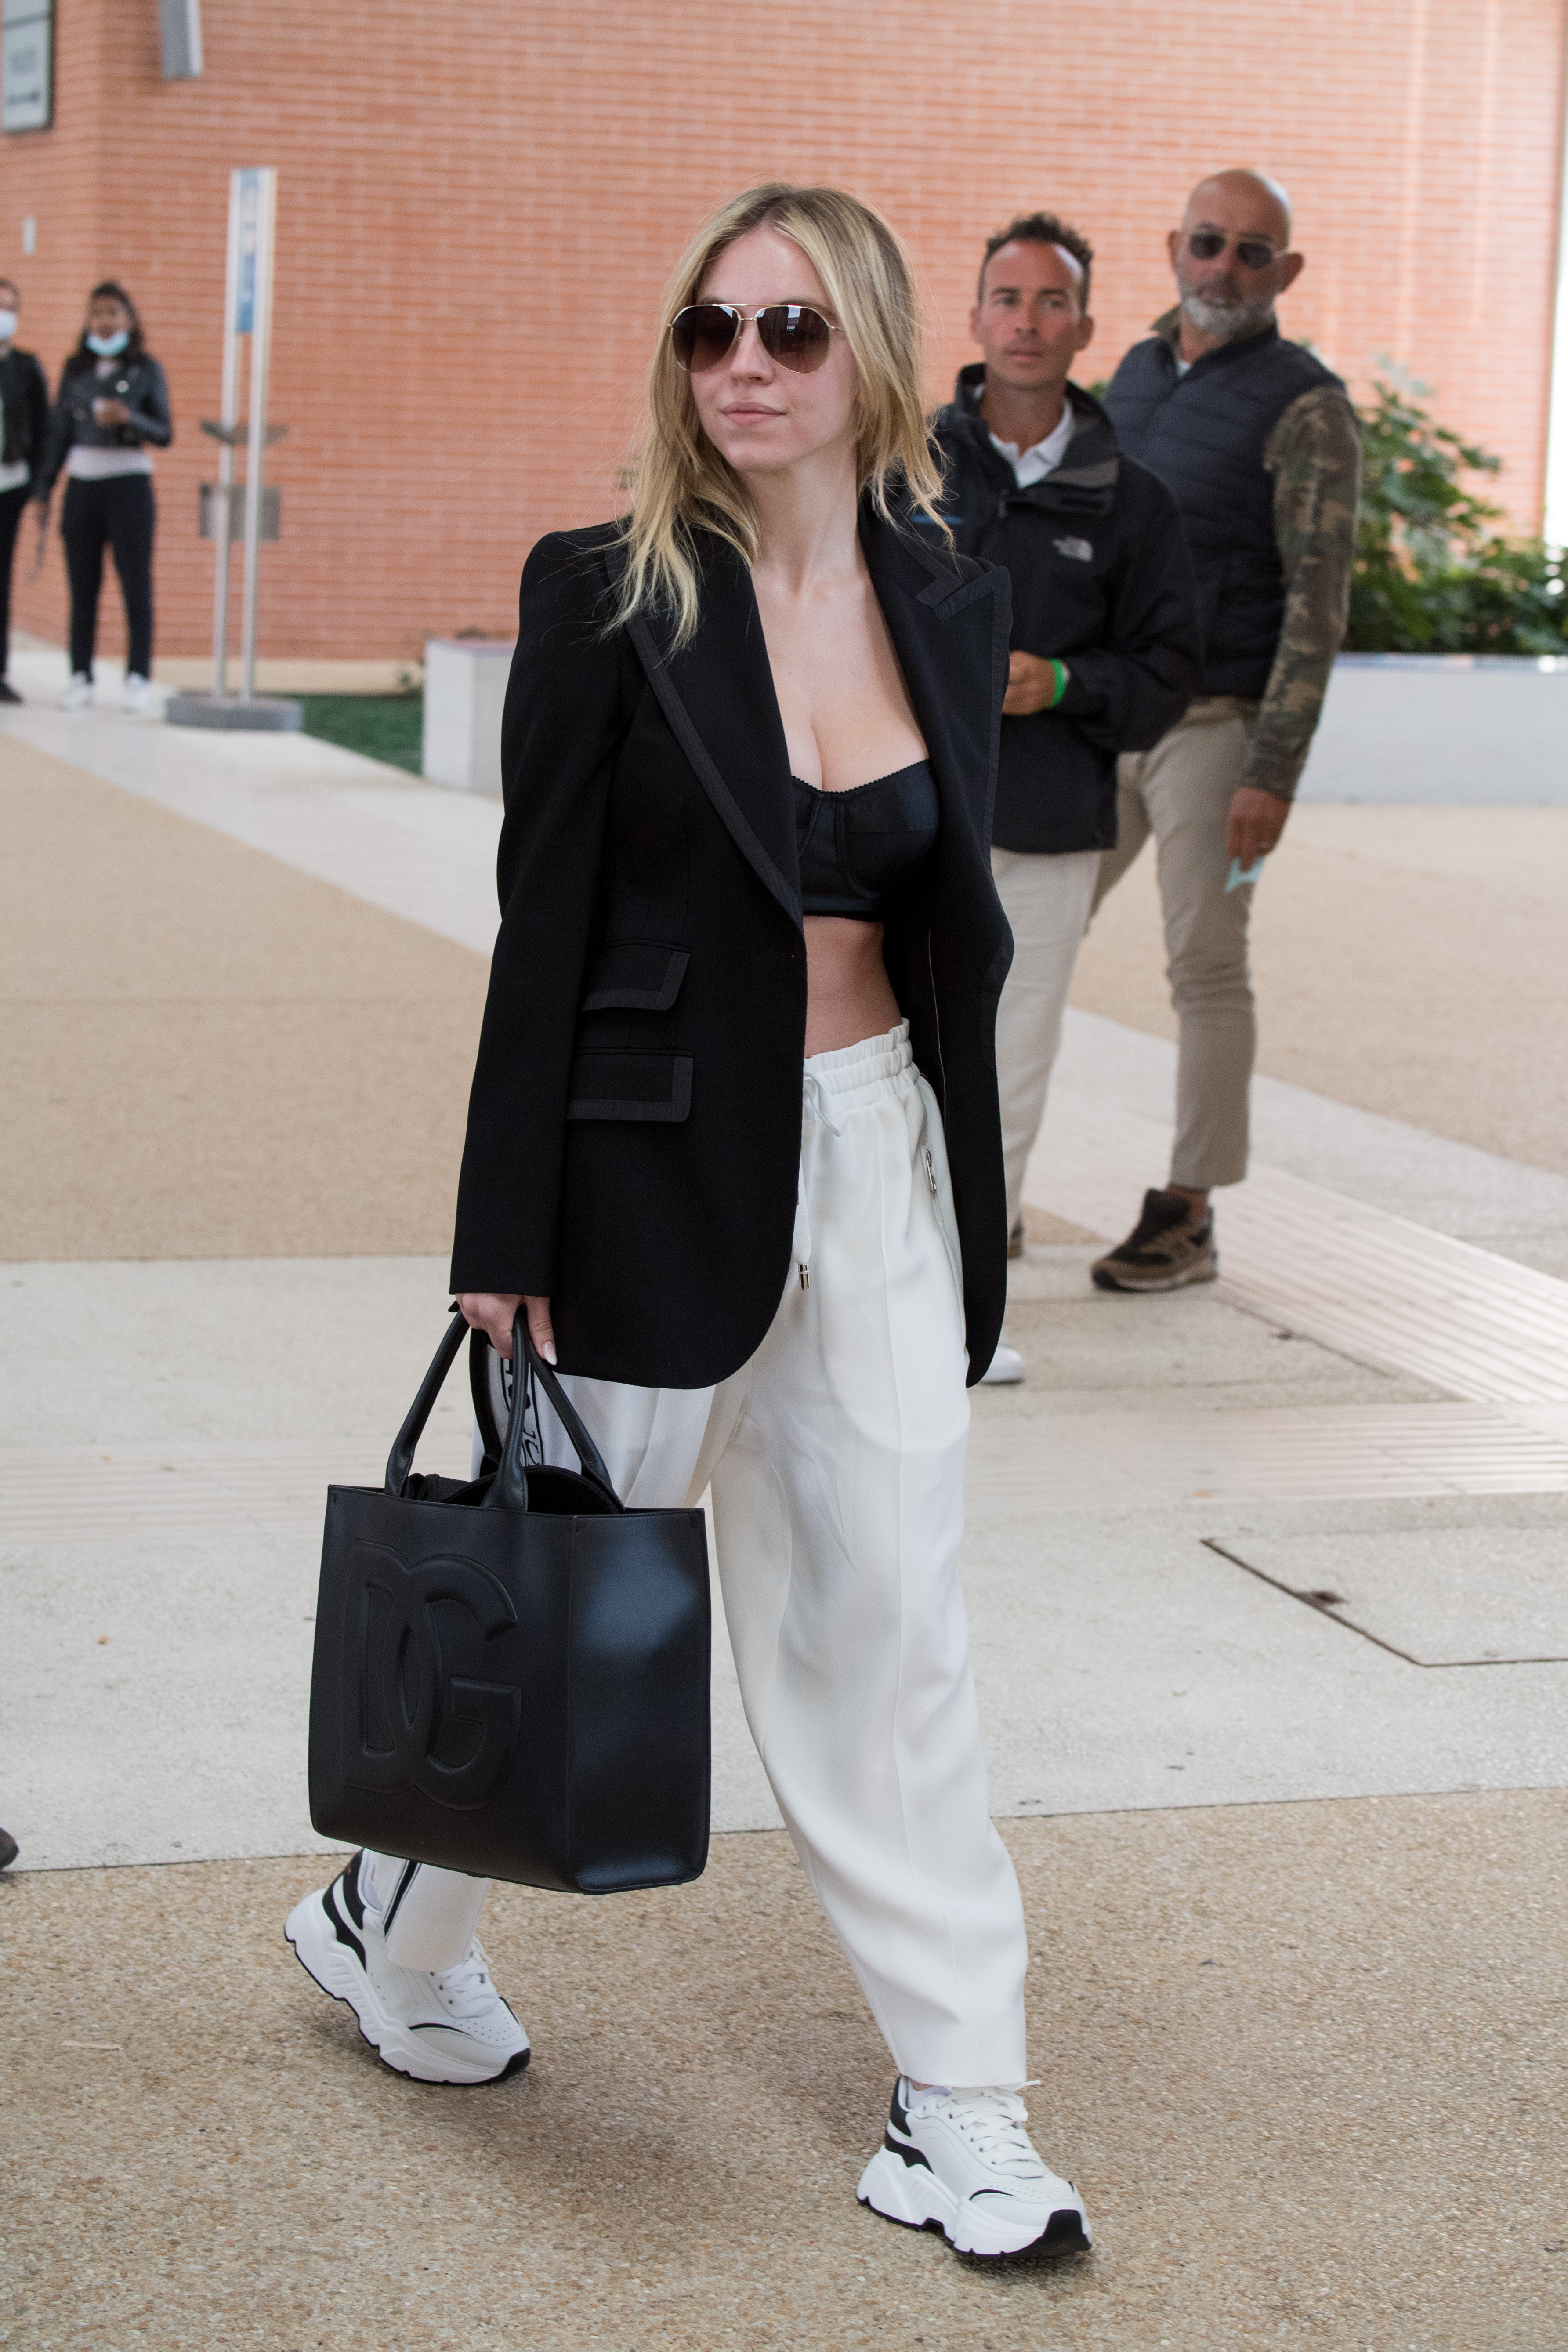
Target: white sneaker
[[136, 694], [961, 2162], [447, 2025], [78, 694], [1006, 1366]]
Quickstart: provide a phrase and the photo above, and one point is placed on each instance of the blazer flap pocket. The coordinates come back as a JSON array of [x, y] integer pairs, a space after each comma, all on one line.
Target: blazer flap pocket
[[630, 1086], [637, 976]]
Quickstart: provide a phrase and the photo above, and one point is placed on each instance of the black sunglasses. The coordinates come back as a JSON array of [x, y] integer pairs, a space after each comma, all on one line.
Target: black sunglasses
[[705, 333], [1252, 252]]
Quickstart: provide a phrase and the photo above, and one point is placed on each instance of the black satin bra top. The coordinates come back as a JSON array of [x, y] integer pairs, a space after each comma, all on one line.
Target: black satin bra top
[[858, 847]]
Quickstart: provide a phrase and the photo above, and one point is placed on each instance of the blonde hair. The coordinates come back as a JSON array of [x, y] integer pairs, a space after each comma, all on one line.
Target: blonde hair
[[682, 485]]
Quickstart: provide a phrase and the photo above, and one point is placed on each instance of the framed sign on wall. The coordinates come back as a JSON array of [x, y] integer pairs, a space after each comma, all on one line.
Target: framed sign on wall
[[27, 64]]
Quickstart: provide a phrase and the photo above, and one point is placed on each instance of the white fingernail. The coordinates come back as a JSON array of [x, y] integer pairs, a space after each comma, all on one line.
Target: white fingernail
[[548, 1351]]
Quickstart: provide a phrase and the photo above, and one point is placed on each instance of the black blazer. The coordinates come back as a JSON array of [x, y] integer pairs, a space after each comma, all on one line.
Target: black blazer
[[634, 1130]]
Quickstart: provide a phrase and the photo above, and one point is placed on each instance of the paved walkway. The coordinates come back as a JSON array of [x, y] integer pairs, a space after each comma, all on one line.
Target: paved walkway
[[1267, 1592]]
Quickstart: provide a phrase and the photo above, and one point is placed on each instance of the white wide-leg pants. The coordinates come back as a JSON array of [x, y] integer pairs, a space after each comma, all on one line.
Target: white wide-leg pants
[[835, 1462]]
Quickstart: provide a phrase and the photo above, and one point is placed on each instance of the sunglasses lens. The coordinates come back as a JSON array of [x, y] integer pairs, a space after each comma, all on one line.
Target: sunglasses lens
[[702, 335], [1204, 245], [1254, 253], [793, 336]]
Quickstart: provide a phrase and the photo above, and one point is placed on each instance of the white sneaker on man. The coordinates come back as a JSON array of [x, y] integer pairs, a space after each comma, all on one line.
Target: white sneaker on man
[[136, 694], [961, 2162], [78, 694], [1006, 1367], [439, 2025]]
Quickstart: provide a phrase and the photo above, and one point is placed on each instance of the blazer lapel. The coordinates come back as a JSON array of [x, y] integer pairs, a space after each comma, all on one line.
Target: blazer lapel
[[717, 695], [951, 637]]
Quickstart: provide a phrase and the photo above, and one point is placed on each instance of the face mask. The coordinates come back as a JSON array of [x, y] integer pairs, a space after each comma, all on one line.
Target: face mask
[[108, 346], [8, 325]]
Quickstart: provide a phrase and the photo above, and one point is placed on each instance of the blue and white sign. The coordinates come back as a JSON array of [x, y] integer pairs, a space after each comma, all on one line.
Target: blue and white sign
[[244, 321]]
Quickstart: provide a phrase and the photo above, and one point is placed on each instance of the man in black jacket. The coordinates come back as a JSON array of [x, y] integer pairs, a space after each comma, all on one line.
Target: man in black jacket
[[1105, 644], [25, 399]]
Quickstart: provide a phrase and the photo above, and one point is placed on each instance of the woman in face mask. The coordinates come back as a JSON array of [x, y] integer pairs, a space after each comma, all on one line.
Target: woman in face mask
[[112, 402], [24, 420]]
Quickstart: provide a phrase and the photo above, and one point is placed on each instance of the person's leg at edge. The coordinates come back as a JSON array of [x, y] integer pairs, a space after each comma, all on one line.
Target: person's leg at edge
[[83, 532], [1046, 901], [132, 521], [13, 506]]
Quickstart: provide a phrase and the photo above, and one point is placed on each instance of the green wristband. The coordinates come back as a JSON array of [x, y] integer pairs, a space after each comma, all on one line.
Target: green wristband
[[1061, 675]]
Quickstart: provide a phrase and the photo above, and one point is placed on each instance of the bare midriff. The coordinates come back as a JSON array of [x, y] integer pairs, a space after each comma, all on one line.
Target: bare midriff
[[848, 995]]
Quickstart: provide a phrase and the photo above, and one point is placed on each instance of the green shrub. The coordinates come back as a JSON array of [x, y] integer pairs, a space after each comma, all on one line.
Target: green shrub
[[1432, 574]]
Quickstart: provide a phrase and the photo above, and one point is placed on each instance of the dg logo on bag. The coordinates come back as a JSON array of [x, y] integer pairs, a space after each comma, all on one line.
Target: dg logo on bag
[[421, 1720]]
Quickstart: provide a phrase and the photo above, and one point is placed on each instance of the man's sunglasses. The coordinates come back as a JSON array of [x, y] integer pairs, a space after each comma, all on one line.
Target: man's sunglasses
[[792, 333], [1252, 252]]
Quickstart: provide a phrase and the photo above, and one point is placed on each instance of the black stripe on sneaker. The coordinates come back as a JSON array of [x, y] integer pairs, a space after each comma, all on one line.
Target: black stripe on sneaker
[[403, 1884], [341, 1929], [911, 2154], [354, 1901]]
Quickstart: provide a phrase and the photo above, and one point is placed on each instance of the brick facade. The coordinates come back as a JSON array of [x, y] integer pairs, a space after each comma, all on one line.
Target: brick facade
[[478, 203]]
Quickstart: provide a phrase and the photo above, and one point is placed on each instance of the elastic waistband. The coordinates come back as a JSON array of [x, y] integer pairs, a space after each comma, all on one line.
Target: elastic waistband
[[839, 1082]]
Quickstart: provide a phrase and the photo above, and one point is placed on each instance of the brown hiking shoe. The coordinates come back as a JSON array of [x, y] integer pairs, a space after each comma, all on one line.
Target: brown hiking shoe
[[1166, 1249]]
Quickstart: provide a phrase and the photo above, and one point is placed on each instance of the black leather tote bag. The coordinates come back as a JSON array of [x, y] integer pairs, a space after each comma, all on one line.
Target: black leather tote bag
[[512, 1674]]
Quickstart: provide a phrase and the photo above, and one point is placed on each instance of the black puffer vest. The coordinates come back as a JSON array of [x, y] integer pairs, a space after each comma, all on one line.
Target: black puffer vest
[[1204, 434]]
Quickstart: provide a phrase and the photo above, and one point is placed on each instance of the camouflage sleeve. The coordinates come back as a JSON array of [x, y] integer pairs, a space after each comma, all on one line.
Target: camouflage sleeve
[[1314, 456]]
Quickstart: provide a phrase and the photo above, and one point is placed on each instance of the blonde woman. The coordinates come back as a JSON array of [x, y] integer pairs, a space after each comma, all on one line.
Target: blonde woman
[[733, 1145]]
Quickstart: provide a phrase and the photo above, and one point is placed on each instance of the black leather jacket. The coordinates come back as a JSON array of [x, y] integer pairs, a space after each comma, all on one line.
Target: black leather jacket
[[26, 399], [139, 382]]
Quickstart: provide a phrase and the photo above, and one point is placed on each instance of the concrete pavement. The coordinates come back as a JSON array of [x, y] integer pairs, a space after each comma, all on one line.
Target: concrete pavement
[[1292, 1862]]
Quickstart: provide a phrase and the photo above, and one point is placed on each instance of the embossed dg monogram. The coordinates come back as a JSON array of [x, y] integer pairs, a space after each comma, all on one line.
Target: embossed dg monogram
[[422, 1721]]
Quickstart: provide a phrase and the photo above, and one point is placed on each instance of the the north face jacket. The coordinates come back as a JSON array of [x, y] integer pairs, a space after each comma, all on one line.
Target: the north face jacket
[[1101, 582]]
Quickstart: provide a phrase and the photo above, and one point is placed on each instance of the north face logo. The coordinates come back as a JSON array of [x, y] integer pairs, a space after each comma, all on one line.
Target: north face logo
[[421, 1721], [1078, 549]]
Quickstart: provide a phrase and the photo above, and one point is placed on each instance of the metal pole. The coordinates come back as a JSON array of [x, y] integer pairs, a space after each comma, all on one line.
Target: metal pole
[[260, 340], [1555, 520], [225, 450]]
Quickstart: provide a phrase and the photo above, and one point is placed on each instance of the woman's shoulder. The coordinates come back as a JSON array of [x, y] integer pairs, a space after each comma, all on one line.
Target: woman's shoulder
[[580, 559]]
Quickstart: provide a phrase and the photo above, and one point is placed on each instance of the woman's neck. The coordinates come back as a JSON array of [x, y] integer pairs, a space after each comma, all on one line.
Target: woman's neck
[[807, 517]]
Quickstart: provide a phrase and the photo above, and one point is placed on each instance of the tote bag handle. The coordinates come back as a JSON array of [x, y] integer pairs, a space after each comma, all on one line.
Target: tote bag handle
[[508, 1489]]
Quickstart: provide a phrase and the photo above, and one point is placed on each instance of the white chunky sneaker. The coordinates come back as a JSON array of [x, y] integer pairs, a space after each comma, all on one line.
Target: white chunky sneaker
[[447, 2025], [136, 694], [1006, 1367], [78, 694], [961, 2162]]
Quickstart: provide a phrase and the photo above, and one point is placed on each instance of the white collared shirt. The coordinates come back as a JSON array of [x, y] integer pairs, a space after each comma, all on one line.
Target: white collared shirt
[[1033, 464]]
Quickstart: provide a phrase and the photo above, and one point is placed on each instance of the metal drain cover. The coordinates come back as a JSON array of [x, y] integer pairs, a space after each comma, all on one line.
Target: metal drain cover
[[1440, 1597]]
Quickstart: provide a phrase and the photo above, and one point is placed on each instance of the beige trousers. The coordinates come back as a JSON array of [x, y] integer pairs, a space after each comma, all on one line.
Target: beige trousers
[[1181, 793], [1046, 901]]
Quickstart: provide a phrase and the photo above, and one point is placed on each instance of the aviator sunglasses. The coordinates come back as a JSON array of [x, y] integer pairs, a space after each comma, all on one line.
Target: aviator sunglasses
[[792, 333], [1252, 252]]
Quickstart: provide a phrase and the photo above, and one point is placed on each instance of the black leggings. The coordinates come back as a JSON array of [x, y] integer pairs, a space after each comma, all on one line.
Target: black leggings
[[13, 506], [118, 512]]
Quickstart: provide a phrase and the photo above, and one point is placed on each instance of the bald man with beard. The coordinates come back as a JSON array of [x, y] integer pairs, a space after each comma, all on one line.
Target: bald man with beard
[[1258, 443]]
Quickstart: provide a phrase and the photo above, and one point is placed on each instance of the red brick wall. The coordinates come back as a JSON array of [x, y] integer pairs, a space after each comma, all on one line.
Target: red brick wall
[[479, 203]]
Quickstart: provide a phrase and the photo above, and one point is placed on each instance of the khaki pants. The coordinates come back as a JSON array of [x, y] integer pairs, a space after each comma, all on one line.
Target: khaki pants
[[1181, 793], [1046, 901]]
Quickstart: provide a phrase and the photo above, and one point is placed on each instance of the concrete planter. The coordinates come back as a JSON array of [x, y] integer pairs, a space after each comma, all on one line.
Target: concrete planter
[[1459, 729], [465, 687]]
